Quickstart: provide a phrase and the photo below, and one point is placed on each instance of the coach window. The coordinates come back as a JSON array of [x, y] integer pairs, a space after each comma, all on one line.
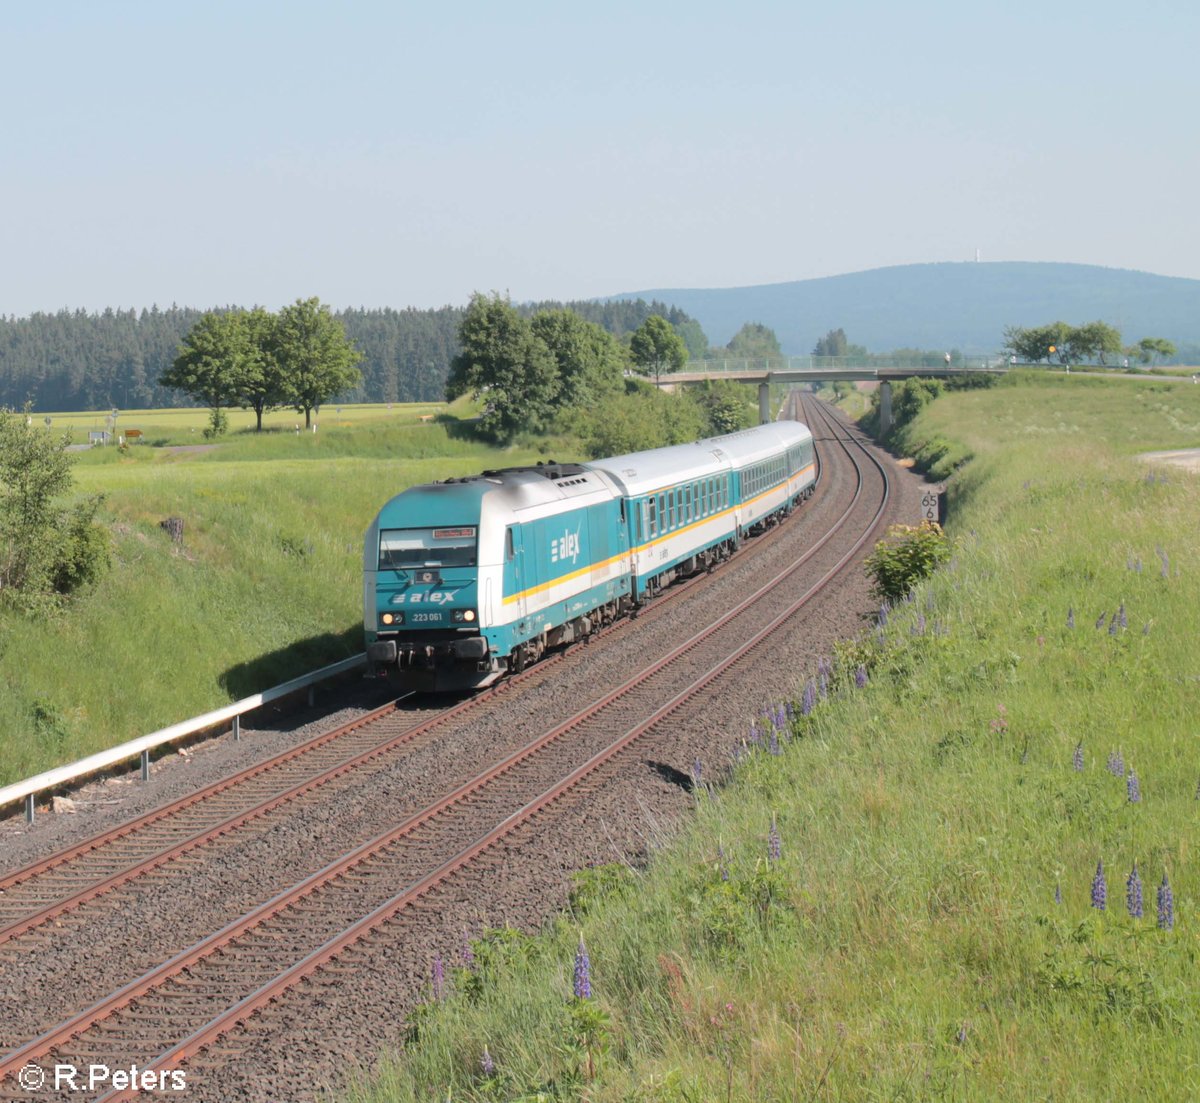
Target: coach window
[[509, 550], [670, 510]]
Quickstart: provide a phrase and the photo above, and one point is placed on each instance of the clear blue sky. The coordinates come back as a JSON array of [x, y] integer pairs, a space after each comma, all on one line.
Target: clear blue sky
[[395, 153]]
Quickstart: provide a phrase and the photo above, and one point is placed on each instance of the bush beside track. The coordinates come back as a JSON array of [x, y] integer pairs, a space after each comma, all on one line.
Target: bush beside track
[[908, 940]]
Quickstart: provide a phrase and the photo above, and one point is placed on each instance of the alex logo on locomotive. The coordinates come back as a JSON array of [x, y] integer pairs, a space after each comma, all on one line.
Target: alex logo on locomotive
[[565, 547]]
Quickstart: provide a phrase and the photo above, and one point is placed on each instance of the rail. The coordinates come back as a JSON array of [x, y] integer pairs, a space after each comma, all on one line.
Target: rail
[[29, 789]]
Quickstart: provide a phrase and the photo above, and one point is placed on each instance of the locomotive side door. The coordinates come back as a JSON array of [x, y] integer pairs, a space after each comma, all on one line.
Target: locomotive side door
[[515, 576]]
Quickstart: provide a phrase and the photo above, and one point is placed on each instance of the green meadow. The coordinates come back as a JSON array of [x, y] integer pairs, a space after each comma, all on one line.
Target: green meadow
[[921, 922], [265, 585]]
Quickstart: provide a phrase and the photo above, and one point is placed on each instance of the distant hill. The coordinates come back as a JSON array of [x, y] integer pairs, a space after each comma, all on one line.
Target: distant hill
[[935, 306]]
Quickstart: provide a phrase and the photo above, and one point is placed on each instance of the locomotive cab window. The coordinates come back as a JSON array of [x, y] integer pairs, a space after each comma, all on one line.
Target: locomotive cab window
[[510, 552], [404, 549]]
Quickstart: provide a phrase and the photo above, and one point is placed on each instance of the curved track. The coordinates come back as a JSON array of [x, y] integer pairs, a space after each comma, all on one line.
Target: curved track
[[166, 1016]]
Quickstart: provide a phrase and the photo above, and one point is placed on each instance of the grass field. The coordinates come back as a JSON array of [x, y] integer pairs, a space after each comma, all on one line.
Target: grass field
[[266, 584], [186, 426], [928, 928]]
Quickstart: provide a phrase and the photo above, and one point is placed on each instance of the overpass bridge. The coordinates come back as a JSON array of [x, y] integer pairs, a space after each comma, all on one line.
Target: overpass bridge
[[822, 369]]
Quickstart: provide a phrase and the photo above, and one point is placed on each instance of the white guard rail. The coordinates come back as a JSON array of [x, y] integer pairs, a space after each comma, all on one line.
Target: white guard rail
[[28, 789]]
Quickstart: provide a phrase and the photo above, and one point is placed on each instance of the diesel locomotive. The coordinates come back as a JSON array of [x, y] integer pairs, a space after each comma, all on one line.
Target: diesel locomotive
[[468, 579]]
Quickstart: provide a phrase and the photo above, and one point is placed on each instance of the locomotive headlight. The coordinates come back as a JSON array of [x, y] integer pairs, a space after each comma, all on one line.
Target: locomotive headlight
[[460, 615], [387, 618], [469, 615], [391, 618]]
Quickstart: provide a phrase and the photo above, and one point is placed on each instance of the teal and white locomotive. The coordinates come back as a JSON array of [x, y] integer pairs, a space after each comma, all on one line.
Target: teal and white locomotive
[[469, 579]]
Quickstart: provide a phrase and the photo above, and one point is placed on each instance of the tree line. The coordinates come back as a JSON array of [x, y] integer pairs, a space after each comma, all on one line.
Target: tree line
[[1094, 341], [76, 360]]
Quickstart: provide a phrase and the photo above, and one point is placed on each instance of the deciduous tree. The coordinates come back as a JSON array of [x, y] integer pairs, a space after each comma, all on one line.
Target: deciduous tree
[[832, 344], [504, 364], [44, 547], [755, 341], [212, 365], [313, 355], [589, 359], [655, 347], [1148, 349]]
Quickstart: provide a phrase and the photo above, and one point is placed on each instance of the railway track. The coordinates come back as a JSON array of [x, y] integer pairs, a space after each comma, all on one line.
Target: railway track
[[266, 953], [48, 889]]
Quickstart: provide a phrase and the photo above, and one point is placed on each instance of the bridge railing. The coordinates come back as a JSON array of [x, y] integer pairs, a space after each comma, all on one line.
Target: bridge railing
[[833, 363]]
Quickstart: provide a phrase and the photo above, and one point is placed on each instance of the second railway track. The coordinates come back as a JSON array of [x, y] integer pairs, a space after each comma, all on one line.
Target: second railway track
[[318, 915]]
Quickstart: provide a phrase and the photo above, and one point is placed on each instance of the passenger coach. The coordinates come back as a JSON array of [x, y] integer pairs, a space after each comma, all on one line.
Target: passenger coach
[[468, 579]]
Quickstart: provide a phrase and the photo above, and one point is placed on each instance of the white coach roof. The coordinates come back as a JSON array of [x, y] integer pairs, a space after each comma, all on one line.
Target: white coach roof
[[642, 472]]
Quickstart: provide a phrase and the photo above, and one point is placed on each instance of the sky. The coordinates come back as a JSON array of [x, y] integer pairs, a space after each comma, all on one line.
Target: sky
[[408, 154]]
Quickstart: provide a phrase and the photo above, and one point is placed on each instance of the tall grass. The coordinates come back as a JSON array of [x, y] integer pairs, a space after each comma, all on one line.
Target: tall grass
[[909, 942]]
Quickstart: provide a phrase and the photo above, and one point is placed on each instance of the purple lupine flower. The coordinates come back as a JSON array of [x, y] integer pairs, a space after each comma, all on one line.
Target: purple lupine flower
[[1129, 562], [1166, 563], [583, 973], [781, 717], [1146, 629], [918, 629], [774, 841], [755, 735], [809, 700], [791, 712], [439, 977], [1137, 566], [466, 953], [1133, 894], [1099, 888], [697, 772], [860, 676], [486, 1063], [882, 619], [1057, 893], [773, 744], [1166, 905], [722, 868], [1077, 757], [1133, 789], [823, 685], [1101, 619], [1112, 625], [1116, 764], [1122, 619], [1071, 617]]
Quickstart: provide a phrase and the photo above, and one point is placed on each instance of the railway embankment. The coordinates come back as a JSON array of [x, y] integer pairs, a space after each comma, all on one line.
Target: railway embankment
[[962, 865]]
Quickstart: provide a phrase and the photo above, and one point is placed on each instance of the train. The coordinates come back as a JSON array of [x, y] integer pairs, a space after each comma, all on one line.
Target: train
[[469, 579]]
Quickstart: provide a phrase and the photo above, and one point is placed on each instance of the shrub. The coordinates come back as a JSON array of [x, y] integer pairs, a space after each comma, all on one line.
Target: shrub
[[905, 556], [86, 550]]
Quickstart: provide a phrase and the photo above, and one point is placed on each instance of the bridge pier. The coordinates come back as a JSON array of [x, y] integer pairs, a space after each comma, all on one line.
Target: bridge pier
[[885, 408], [764, 403]]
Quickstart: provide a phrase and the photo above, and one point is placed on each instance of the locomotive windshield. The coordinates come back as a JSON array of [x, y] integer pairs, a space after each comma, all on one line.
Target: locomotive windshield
[[401, 549]]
